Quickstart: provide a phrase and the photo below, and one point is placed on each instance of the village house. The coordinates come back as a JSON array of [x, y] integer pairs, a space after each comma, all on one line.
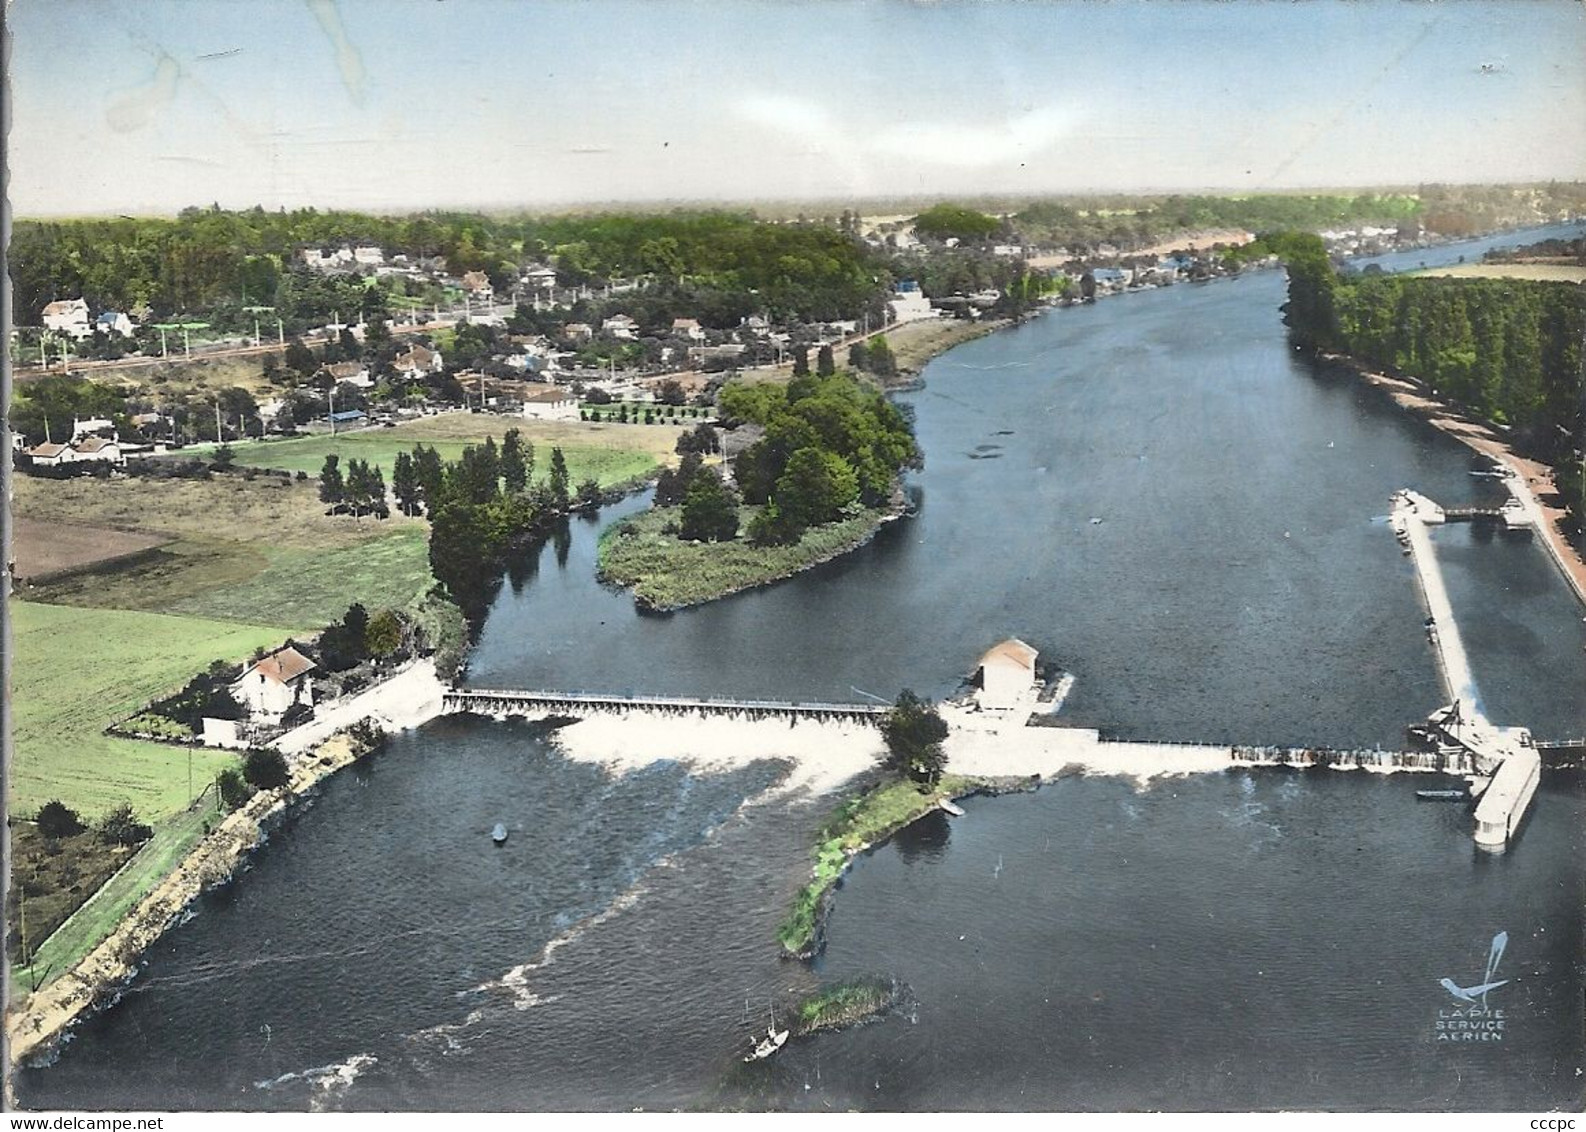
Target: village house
[[550, 403], [477, 284], [114, 322], [756, 325], [1007, 674], [578, 331], [274, 683], [49, 455], [368, 255], [68, 316], [539, 279], [90, 427], [688, 328], [107, 450], [909, 304], [320, 259], [353, 373], [90, 449], [620, 326], [417, 362]]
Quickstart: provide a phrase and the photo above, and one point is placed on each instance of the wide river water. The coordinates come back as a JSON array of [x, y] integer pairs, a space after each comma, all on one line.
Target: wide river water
[[1267, 939]]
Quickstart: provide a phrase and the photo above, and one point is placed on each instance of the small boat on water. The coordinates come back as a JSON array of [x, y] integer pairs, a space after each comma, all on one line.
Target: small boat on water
[[1443, 795], [948, 806], [774, 1040], [499, 834]]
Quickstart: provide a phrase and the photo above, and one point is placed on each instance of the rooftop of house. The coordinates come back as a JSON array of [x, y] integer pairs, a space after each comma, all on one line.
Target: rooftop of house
[[282, 666], [1010, 652]]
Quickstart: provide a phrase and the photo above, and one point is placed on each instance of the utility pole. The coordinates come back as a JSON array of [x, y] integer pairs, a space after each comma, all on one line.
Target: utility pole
[[280, 332], [187, 344], [164, 353], [332, 417]]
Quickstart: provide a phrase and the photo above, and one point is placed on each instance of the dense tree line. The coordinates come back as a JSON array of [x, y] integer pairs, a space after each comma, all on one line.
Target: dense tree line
[[955, 222], [221, 262], [1508, 348], [480, 505], [829, 443], [1138, 223]]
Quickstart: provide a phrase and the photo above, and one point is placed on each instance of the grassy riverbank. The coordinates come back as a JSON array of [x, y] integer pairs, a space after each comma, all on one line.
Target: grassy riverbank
[[856, 825], [915, 343], [96, 951], [665, 572]]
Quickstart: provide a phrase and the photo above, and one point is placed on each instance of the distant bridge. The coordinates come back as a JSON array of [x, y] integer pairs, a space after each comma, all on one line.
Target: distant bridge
[[501, 702]]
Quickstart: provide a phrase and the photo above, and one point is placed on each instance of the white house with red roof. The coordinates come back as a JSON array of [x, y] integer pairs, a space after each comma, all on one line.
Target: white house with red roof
[[1007, 674], [275, 682], [69, 316]]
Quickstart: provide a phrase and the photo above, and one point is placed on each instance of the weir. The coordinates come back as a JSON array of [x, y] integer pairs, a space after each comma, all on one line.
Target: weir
[[1504, 761], [546, 704]]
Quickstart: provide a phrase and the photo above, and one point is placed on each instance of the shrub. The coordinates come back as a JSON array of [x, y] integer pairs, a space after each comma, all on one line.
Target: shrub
[[234, 790], [265, 769], [121, 827], [57, 820]]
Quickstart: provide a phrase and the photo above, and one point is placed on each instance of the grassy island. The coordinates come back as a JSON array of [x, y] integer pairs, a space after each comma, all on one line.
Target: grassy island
[[845, 1003], [856, 825], [666, 572]]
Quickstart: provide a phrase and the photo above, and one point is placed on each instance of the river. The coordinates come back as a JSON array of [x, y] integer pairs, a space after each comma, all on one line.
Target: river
[[1266, 939]]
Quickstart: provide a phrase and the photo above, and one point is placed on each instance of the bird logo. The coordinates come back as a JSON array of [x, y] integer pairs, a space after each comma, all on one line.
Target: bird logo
[[1478, 993]]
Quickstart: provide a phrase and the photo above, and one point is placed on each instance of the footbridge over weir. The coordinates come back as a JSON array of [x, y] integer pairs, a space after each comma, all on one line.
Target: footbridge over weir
[[548, 705]]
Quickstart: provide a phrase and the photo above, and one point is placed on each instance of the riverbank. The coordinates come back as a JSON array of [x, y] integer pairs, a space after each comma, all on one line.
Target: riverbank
[[37, 1024], [1534, 480], [915, 343], [667, 574]]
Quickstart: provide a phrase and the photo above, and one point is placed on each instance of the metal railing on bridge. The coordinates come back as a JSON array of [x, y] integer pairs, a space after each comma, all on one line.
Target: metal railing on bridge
[[495, 701]]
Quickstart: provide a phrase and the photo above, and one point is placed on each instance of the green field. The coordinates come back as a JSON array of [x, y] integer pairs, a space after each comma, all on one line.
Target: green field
[[602, 462], [308, 589], [76, 671], [260, 552]]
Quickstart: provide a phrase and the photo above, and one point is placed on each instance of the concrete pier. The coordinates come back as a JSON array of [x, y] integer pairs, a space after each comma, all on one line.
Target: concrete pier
[[1412, 514], [1504, 758]]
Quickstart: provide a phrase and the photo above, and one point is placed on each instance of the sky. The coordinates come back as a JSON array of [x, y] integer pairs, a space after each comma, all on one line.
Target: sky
[[147, 106]]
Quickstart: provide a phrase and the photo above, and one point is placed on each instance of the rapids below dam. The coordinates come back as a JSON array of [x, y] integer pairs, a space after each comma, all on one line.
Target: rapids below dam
[[1256, 939]]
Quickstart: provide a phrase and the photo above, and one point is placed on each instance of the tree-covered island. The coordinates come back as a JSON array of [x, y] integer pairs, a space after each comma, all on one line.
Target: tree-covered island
[[818, 475]]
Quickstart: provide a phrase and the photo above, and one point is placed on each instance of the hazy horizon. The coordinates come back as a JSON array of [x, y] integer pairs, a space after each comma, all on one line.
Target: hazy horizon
[[396, 106]]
